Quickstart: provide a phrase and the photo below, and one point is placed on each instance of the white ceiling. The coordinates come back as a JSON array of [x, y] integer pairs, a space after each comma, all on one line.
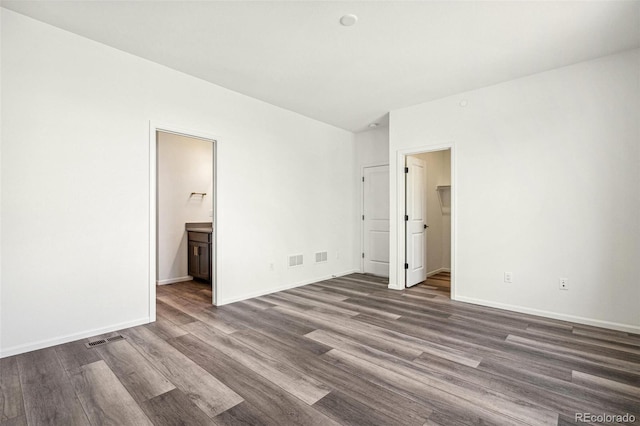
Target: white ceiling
[[296, 55]]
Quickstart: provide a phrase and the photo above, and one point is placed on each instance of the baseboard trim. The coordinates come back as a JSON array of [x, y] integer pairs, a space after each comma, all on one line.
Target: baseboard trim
[[174, 280], [285, 287], [20, 349], [437, 271], [554, 315]]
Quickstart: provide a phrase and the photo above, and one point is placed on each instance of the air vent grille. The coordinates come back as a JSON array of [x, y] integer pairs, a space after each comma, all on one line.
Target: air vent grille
[[321, 257], [99, 342], [295, 260]]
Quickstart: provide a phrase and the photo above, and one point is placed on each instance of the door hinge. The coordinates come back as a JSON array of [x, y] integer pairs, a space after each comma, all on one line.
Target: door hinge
[[406, 170], [363, 178], [362, 217], [406, 217], [363, 255], [406, 266]]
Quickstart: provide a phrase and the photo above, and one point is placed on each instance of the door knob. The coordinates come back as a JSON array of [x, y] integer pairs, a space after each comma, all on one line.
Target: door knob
[[425, 226]]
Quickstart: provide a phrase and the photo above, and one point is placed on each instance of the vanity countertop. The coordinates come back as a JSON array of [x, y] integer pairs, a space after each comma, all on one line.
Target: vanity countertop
[[206, 230], [205, 227]]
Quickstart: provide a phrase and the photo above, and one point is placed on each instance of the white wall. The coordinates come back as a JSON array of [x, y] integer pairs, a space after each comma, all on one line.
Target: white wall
[[438, 240], [372, 147], [1, 185], [185, 165], [546, 185], [75, 185], [445, 179]]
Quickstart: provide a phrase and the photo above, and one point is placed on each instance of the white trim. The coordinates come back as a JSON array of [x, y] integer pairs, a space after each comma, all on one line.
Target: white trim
[[366, 166], [285, 287], [377, 164], [174, 280], [437, 271], [155, 127], [554, 315], [20, 349], [398, 254]]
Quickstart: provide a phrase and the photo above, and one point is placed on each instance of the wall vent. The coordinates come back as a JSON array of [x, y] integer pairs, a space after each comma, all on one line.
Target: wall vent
[[295, 260], [321, 257], [100, 342]]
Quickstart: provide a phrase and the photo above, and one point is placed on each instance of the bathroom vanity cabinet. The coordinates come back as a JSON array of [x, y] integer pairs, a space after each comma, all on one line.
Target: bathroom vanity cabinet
[[199, 255]]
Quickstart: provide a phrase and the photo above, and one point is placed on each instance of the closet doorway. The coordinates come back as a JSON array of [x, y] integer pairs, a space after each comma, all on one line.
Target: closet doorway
[[428, 219]]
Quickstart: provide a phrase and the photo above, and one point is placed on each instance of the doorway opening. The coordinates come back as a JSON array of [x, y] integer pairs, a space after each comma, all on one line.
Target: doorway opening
[[183, 219], [427, 219]]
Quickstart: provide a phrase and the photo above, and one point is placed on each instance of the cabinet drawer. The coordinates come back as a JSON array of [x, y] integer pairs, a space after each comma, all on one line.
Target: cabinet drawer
[[202, 237]]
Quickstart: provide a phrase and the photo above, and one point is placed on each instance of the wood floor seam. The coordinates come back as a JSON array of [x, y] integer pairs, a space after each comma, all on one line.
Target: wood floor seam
[[342, 351]]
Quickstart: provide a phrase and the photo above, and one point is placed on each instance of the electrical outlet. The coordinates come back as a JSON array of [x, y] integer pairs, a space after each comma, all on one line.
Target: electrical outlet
[[508, 277], [564, 283]]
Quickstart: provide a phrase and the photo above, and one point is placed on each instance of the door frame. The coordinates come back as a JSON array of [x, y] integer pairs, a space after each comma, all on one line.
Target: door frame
[[155, 127], [366, 166], [399, 257]]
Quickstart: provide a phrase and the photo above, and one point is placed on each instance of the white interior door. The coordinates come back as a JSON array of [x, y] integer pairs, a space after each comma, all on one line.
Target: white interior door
[[415, 220], [376, 220]]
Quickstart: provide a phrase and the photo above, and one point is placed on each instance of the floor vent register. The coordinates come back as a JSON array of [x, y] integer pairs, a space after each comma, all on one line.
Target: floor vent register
[[100, 342]]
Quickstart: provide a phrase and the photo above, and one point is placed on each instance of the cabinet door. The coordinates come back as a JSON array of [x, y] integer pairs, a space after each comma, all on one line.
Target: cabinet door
[[205, 261], [193, 259]]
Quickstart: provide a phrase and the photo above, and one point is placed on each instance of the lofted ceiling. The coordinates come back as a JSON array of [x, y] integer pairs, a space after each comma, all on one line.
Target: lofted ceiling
[[296, 55]]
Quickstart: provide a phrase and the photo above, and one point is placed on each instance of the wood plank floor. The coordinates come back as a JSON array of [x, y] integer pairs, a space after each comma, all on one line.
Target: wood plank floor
[[342, 351], [441, 280]]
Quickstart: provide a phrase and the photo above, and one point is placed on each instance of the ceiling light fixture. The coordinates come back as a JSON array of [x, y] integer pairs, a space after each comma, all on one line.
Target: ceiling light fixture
[[349, 20], [373, 125]]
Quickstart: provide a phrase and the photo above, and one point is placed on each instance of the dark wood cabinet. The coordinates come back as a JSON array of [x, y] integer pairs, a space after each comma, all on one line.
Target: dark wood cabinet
[[199, 256]]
